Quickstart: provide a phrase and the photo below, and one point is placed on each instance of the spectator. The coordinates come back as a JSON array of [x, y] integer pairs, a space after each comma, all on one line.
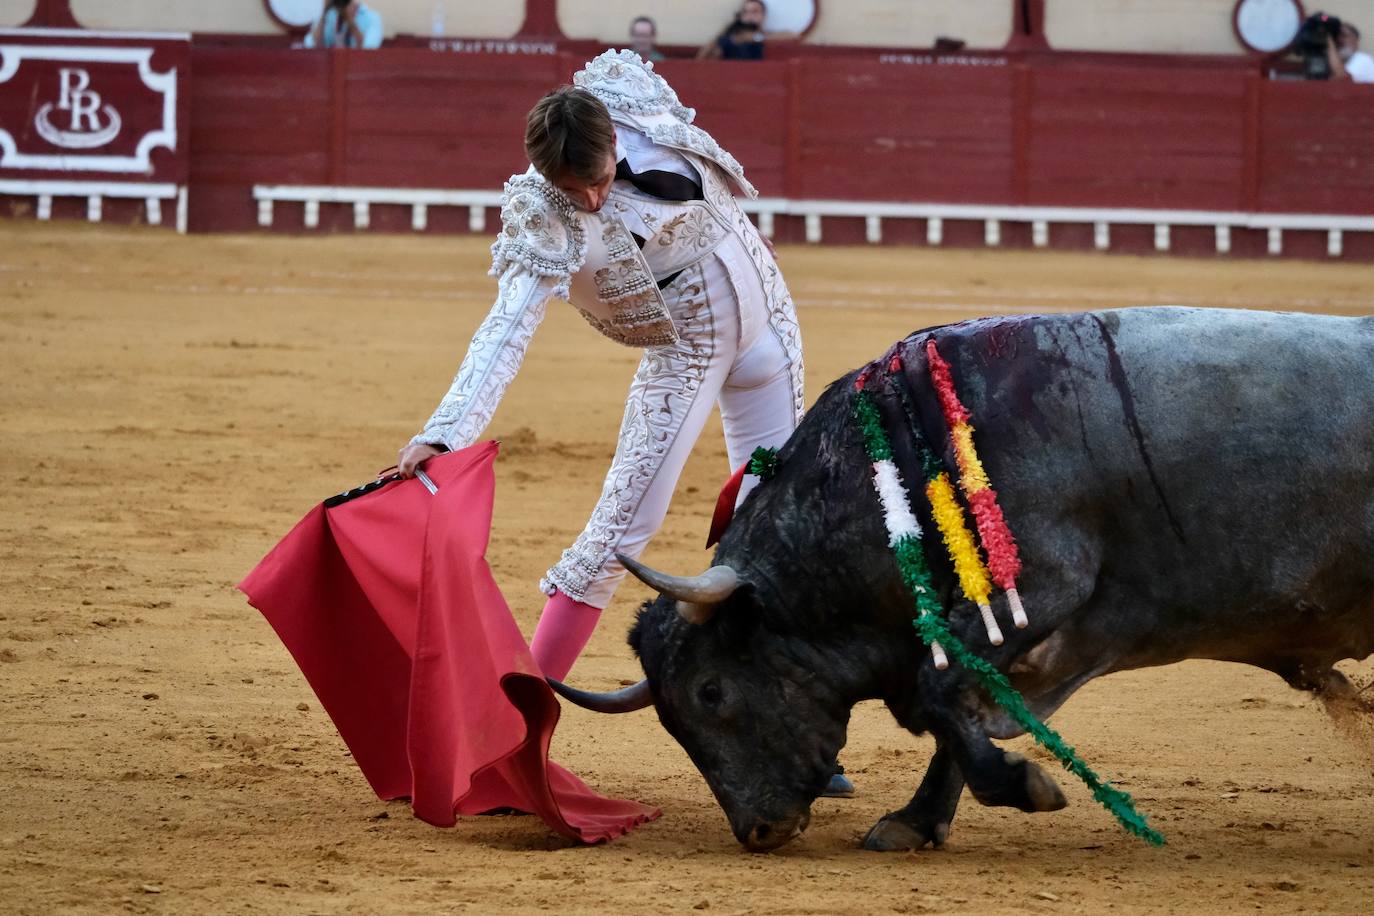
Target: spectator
[[346, 24], [1347, 61], [643, 34], [743, 38]]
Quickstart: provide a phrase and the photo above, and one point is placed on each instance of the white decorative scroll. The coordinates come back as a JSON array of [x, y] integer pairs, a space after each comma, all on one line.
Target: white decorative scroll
[[165, 84]]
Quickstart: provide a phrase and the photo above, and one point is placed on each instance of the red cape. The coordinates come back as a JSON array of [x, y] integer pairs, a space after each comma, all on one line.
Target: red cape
[[387, 604]]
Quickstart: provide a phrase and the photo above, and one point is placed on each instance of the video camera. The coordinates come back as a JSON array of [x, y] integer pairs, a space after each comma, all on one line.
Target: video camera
[[1310, 44]]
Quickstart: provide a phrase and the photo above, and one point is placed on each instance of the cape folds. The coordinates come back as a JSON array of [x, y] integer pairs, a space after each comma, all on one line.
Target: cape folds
[[388, 606]]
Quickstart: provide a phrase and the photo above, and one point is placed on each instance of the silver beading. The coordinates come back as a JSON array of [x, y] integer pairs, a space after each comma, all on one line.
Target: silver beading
[[540, 231], [623, 81]]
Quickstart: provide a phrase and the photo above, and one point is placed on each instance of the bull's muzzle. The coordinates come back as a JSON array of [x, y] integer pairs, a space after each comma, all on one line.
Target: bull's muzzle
[[765, 836]]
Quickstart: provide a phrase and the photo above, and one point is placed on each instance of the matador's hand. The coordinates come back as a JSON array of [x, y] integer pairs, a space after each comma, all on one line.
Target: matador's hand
[[412, 456]]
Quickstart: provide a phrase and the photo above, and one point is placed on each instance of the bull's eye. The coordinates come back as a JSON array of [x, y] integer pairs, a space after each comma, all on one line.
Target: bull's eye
[[709, 693]]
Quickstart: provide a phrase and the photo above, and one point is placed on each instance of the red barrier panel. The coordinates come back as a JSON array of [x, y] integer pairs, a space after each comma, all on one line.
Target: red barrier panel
[[1129, 137], [1318, 148], [416, 119], [1030, 130], [260, 116], [873, 131]]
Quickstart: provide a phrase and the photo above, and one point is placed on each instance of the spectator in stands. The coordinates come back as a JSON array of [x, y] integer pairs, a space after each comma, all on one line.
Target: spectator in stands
[[643, 34], [1347, 61], [743, 38], [346, 24]]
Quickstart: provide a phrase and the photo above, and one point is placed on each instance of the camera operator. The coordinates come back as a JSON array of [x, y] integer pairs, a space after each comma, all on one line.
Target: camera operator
[[346, 24], [1346, 59], [743, 38]]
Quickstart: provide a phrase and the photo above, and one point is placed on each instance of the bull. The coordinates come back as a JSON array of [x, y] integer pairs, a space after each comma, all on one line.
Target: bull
[[1183, 483]]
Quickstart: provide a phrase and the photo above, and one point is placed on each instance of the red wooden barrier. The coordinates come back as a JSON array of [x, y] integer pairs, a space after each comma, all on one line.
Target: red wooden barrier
[[1016, 129], [411, 118], [261, 116], [1317, 148], [874, 131], [1168, 139]]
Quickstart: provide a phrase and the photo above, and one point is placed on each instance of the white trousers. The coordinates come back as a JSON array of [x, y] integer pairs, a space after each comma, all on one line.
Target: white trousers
[[732, 351]]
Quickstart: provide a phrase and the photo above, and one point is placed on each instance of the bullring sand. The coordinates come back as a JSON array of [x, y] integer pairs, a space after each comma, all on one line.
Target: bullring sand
[[171, 406]]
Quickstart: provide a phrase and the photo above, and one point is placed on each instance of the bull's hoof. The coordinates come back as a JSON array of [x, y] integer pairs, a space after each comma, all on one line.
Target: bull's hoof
[[838, 787], [893, 834], [1042, 792]]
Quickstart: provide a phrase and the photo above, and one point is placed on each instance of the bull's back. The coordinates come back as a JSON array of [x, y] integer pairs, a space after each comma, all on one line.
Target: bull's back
[[1215, 466]]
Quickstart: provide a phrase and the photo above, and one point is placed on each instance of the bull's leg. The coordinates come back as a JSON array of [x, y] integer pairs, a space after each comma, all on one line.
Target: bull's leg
[[927, 817], [995, 777]]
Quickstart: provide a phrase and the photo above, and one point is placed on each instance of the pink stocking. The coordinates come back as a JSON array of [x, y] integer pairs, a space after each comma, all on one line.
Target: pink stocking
[[562, 631]]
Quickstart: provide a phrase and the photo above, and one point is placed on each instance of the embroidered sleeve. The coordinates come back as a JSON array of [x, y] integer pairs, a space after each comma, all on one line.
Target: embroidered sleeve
[[540, 232], [493, 359]]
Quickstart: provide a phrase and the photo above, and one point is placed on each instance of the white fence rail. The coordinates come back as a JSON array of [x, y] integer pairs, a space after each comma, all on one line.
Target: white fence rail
[[873, 213], [152, 194]]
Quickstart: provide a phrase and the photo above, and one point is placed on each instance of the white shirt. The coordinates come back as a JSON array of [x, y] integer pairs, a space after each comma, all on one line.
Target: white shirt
[[368, 21], [643, 154], [1360, 66]]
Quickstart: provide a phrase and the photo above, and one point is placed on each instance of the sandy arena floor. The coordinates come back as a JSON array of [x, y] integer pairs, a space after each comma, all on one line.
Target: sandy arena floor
[[171, 406]]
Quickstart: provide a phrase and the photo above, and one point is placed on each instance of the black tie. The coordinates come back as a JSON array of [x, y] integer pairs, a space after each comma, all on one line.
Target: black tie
[[658, 183]]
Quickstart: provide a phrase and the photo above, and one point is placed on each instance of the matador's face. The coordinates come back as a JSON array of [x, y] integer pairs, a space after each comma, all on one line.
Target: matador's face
[[588, 195]]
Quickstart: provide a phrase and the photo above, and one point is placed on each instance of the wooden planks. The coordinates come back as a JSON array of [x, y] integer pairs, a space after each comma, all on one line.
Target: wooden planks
[[1033, 130]]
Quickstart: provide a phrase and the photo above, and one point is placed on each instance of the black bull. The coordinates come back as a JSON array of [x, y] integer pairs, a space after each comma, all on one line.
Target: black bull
[[1182, 483]]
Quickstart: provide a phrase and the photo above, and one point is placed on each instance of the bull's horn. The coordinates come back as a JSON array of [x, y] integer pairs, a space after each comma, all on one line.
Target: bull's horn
[[711, 587], [629, 699]]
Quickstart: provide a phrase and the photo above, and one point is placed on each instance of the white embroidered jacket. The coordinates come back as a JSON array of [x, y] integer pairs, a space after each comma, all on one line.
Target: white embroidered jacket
[[548, 248]]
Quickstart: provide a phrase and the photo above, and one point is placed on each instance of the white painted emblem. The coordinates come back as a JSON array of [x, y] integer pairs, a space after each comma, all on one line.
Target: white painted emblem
[[83, 103], [78, 119]]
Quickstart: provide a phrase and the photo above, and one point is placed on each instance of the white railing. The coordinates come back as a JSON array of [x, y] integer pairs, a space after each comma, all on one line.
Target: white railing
[[813, 212], [152, 194]]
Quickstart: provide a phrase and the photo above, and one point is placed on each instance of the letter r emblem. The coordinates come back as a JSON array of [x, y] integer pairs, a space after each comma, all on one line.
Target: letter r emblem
[[76, 98]]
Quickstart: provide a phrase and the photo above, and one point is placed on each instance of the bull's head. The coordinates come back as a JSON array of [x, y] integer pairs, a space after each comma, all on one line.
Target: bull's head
[[750, 706]]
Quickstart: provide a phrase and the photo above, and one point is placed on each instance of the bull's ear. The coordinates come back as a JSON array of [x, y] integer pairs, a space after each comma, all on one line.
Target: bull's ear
[[636, 637]]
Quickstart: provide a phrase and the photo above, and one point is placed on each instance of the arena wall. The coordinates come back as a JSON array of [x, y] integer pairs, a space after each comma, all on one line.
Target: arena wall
[[401, 17], [246, 16], [1150, 26], [15, 12], [461, 17], [1162, 26], [1032, 148], [679, 23], [1117, 156], [979, 23], [1107, 26]]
